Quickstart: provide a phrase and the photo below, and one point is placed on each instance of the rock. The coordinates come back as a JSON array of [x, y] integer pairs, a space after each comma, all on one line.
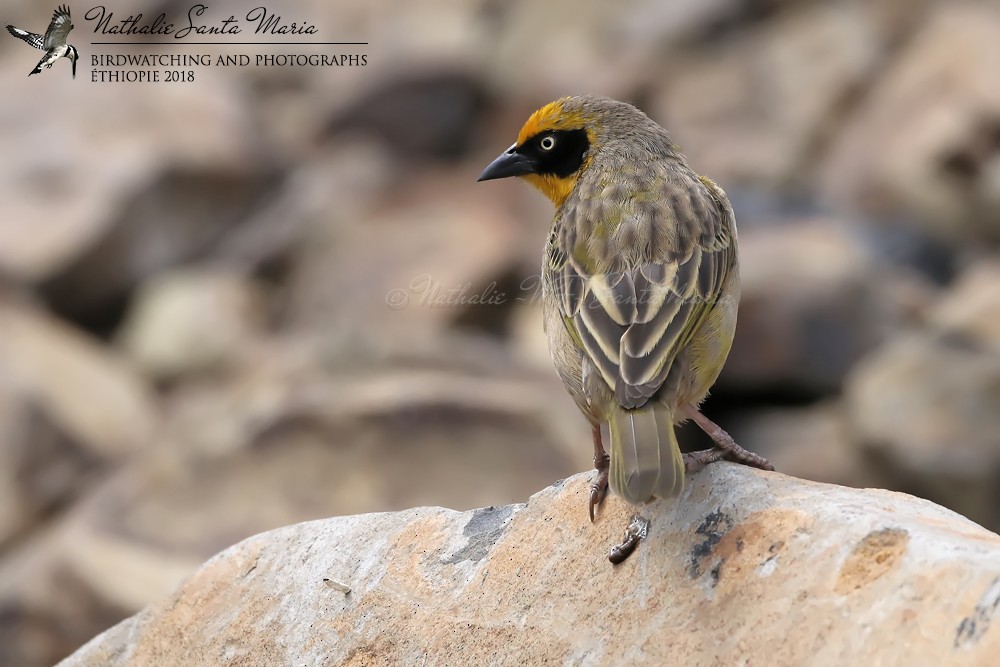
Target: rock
[[815, 299], [92, 395], [653, 24], [70, 190], [70, 412], [753, 109], [193, 320], [926, 141], [928, 407], [712, 584], [42, 469], [265, 446], [433, 31], [73, 578], [972, 307], [180, 216], [540, 55], [414, 263], [153, 180], [366, 443], [419, 117]]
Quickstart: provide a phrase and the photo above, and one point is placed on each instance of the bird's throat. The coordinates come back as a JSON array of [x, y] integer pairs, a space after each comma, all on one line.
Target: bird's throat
[[556, 188]]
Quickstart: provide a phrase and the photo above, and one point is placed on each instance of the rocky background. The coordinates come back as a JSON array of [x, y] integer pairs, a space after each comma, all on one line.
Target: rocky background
[[278, 294]]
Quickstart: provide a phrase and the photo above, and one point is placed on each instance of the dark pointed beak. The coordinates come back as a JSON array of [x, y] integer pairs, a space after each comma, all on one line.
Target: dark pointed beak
[[73, 60], [509, 163]]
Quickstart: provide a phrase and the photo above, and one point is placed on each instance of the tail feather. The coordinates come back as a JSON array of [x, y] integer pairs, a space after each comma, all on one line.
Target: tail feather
[[646, 460]]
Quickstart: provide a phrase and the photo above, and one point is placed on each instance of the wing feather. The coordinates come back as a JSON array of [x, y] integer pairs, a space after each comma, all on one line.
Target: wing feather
[[32, 38], [634, 319], [58, 31]]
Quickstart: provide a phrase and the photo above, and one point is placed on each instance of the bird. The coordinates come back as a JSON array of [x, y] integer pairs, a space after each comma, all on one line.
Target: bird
[[640, 290], [53, 42]]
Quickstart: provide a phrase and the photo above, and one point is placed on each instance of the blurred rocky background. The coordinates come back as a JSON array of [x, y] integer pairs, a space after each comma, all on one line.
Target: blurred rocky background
[[277, 294]]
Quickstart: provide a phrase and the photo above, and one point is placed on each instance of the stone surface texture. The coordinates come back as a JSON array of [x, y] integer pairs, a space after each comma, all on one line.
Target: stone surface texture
[[745, 568]]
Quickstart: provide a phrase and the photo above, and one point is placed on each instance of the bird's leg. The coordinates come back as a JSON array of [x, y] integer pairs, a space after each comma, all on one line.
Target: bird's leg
[[637, 529], [599, 487], [725, 442]]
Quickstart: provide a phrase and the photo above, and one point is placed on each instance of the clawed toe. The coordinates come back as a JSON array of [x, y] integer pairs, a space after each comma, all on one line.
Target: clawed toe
[[695, 461], [602, 462], [598, 492], [759, 462]]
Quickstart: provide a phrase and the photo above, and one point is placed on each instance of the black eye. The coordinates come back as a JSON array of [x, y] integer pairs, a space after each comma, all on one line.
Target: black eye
[[547, 143]]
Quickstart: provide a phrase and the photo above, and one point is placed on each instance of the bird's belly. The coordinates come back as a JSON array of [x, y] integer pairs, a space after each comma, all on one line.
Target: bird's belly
[[567, 358], [706, 354]]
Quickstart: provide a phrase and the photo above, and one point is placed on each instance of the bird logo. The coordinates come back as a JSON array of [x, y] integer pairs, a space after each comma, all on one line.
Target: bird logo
[[53, 42]]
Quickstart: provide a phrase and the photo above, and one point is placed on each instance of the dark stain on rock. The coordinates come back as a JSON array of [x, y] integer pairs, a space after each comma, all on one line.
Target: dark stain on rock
[[483, 530], [972, 628], [715, 573], [711, 530]]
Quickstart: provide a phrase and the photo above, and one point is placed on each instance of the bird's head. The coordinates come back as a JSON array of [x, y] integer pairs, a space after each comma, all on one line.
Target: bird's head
[[551, 150], [559, 141]]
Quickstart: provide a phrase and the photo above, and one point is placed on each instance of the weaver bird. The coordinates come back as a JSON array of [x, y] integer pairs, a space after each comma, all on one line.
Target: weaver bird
[[53, 42], [640, 287]]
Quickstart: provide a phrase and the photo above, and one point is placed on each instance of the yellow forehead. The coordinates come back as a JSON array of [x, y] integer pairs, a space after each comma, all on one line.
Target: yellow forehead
[[553, 116]]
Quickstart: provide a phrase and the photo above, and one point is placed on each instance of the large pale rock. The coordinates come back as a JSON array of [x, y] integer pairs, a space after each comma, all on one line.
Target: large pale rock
[[745, 567]]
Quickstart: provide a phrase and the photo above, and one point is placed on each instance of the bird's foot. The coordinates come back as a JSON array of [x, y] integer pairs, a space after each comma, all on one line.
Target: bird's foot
[[725, 442], [636, 531], [695, 461], [602, 462]]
